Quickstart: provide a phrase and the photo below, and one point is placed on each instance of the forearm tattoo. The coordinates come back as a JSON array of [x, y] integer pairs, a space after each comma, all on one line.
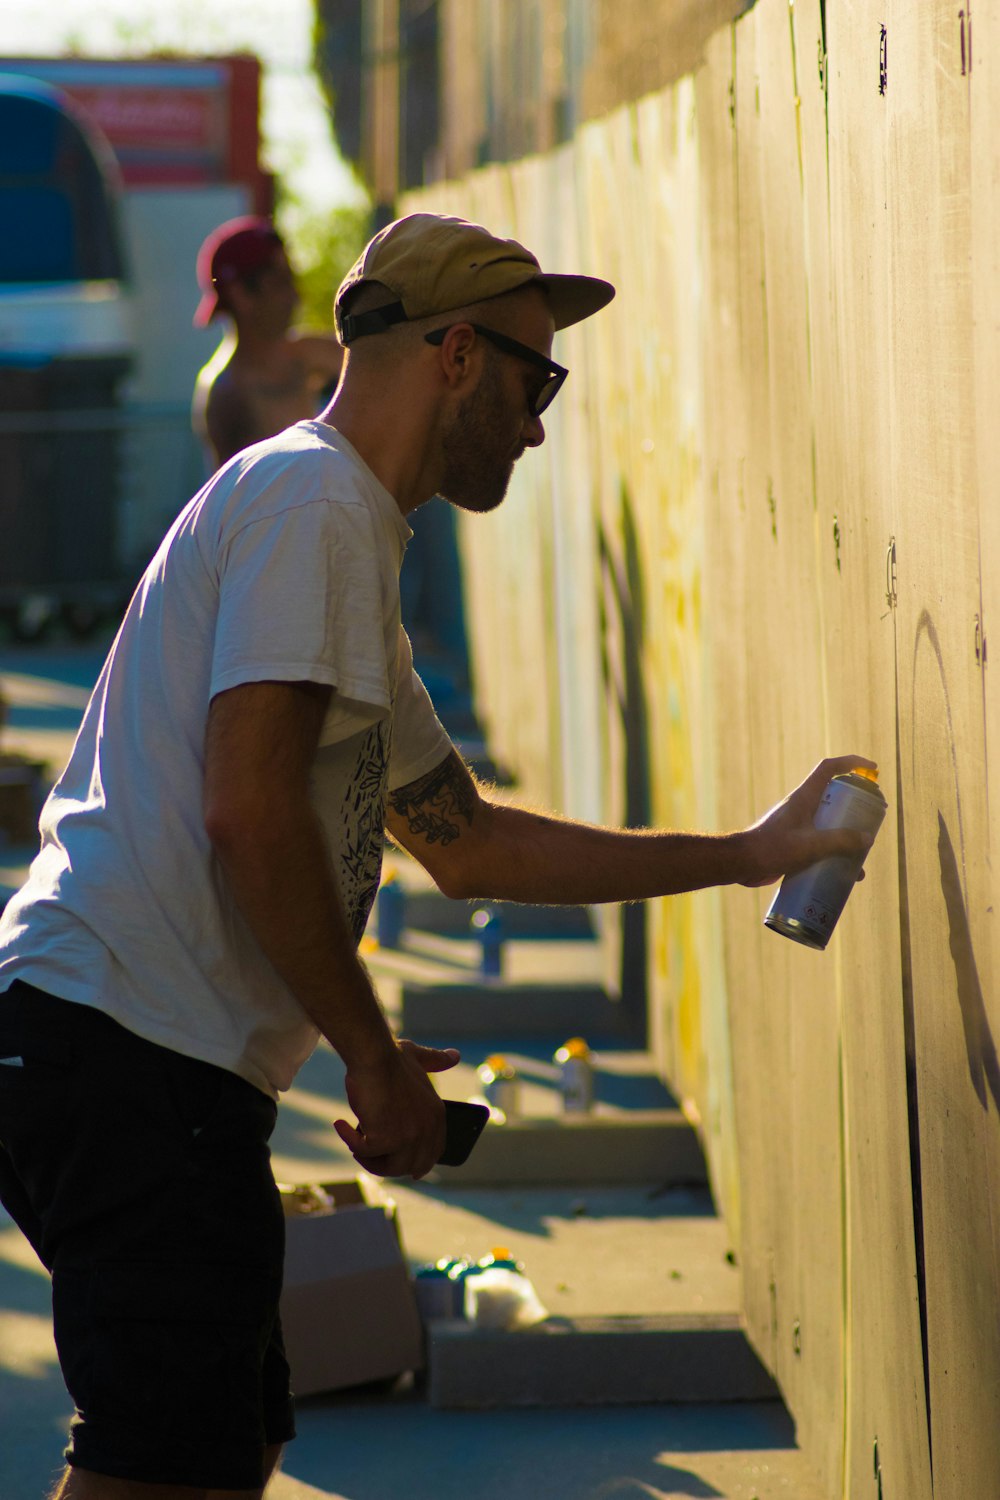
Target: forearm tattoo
[[433, 804]]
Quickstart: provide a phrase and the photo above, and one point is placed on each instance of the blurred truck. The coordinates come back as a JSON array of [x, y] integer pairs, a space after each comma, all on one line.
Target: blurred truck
[[65, 350]]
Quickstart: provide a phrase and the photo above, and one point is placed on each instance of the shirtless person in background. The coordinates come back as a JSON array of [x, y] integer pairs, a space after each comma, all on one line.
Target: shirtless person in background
[[264, 376]]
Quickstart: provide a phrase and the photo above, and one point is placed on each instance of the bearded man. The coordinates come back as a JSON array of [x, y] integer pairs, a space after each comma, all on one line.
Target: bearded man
[[211, 853]]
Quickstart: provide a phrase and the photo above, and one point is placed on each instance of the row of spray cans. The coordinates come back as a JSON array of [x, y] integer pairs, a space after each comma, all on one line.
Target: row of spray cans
[[502, 1085], [493, 1292], [441, 1287]]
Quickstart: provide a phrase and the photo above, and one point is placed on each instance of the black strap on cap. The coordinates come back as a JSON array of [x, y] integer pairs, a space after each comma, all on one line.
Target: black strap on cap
[[378, 320]]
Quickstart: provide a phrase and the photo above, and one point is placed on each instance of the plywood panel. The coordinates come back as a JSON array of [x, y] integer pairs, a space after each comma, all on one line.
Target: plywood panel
[[606, 166], [539, 191], [981, 52], [572, 442], [604, 156], [728, 799], [985, 216], [811, 1251], [885, 1397], [984, 210], [943, 763], [758, 1013], [668, 507]]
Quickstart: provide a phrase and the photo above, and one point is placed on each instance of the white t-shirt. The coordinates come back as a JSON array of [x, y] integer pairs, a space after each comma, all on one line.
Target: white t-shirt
[[284, 567]]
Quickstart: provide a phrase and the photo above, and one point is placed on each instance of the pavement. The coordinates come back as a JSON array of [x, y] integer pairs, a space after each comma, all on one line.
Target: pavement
[[613, 1253]]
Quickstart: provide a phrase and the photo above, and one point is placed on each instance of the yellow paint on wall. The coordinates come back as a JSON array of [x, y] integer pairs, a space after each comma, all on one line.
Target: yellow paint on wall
[[796, 383]]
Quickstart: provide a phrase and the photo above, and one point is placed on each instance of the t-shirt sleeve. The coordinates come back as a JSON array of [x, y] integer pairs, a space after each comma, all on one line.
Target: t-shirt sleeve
[[419, 739], [300, 601]]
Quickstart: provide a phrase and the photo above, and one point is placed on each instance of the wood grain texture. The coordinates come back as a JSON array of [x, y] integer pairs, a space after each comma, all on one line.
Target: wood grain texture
[[764, 527]]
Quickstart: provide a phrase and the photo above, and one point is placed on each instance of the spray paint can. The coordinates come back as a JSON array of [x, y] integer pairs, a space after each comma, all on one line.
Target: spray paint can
[[487, 927], [808, 904], [576, 1075], [501, 1085], [439, 1289], [390, 912]]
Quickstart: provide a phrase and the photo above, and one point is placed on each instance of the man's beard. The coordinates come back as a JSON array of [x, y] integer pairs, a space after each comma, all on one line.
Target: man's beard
[[477, 473]]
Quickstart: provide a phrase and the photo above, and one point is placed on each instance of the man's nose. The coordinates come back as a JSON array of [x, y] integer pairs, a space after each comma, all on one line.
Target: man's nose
[[534, 432]]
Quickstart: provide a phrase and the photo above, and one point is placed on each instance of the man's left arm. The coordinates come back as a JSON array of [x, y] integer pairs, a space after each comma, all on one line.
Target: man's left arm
[[479, 848]]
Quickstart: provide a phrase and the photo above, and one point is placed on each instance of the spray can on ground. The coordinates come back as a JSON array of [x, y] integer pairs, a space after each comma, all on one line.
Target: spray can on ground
[[808, 904], [467, 1275], [390, 912], [439, 1289], [576, 1075], [487, 927], [501, 1085]]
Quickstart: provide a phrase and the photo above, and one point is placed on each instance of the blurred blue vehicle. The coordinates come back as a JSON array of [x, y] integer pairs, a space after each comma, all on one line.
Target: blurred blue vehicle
[[65, 350]]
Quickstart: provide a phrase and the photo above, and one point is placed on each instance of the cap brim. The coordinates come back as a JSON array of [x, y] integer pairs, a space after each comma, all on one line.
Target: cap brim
[[206, 310], [573, 298]]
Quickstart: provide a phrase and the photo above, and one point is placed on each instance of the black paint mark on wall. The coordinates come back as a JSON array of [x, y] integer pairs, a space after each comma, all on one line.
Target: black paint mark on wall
[[912, 1099], [982, 1053], [965, 39], [927, 628], [623, 593], [824, 83], [984, 1066]]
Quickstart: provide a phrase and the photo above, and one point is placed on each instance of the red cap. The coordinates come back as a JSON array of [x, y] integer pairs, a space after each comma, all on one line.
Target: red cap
[[236, 247]]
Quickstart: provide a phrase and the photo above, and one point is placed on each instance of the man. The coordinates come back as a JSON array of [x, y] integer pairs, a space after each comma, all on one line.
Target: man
[[264, 375], [211, 853]]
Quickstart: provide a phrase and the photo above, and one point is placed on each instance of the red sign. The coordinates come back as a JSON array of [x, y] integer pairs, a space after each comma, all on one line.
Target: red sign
[[177, 122], [160, 120]]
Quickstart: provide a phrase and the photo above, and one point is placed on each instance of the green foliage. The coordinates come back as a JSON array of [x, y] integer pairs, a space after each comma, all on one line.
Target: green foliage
[[322, 247]]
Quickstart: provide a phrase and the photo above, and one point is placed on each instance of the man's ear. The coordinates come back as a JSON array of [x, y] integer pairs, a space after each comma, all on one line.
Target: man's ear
[[458, 355]]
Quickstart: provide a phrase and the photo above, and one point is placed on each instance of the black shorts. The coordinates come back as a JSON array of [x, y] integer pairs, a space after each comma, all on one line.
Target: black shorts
[[143, 1180]]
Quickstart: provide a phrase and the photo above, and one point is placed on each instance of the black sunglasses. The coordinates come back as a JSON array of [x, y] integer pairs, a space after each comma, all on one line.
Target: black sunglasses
[[555, 374]]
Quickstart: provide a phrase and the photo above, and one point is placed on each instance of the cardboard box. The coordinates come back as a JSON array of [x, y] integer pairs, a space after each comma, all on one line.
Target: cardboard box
[[348, 1307]]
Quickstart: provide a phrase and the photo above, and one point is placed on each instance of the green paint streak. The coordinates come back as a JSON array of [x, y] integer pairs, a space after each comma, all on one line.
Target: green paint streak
[[795, 89], [845, 1251], [824, 71], [633, 126]]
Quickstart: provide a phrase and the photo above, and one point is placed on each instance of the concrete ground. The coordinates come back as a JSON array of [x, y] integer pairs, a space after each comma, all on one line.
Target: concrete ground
[[594, 1249]]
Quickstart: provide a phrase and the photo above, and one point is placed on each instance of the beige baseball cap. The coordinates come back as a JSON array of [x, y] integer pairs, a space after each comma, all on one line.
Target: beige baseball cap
[[433, 263]]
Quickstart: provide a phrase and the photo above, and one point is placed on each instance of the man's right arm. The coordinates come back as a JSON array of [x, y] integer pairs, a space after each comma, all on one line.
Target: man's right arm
[[260, 746], [479, 848]]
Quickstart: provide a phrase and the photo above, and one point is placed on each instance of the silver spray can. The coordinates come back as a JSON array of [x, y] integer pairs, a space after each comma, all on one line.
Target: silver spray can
[[576, 1075], [808, 904], [500, 1082]]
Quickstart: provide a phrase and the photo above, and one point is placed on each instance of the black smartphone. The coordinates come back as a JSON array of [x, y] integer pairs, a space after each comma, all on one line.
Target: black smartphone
[[463, 1126]]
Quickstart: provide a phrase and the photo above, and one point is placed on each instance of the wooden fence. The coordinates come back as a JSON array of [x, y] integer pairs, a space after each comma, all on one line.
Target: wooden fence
[[765, 526]]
